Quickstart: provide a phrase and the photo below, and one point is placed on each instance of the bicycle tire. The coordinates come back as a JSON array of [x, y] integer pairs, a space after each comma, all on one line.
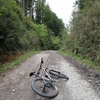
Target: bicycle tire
[[39, 82], [59, 74]]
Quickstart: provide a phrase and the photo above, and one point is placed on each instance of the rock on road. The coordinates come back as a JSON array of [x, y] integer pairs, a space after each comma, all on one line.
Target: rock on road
[[16, 84]]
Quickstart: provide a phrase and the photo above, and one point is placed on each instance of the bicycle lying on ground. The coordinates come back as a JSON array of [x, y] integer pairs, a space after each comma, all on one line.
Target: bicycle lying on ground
[[43, 84]]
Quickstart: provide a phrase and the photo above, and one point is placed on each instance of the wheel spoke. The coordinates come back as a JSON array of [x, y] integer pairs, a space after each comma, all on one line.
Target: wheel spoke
[[46, 90]]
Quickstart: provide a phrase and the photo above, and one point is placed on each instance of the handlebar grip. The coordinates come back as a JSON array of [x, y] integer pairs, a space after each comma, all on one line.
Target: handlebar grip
[[31, 74]]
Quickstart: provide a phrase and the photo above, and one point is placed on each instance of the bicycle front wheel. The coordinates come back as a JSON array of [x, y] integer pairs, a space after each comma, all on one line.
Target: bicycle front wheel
[[59, 74], [48, 90]]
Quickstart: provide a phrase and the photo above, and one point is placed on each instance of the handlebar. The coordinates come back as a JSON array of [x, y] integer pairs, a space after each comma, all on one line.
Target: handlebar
[[31, 74], [40, 66], [38, 72]]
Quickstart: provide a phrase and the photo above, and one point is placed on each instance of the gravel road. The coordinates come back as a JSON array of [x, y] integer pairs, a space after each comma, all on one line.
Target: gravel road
[[15, 84]]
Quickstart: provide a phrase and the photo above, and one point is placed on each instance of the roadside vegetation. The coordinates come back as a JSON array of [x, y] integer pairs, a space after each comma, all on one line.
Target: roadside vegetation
[[84, 38], [29, 26], [15, 62], [26, 25], [85, 61]]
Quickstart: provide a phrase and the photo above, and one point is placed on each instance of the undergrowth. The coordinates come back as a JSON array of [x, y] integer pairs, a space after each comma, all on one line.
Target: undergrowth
[[79, 58], [17, 61]]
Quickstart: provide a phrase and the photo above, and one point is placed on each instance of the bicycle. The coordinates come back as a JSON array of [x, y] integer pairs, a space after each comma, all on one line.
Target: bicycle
[[43, 84]]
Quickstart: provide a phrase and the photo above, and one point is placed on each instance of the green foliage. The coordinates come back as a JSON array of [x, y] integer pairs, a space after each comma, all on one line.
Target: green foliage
[[44, 15], [46, 38], [56, 24], [40, 6], [16, 31], [64, 39], [55, 43], [79, 58], [19, 33], [85, 32], [81, 3], [18, 60], [42, 36], [8, 25]]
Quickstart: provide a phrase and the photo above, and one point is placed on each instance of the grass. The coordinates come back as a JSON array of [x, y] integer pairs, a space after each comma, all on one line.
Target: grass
[[19, 59], [79, 58]]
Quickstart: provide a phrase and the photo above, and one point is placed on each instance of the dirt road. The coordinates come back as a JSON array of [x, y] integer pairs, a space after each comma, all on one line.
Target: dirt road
[[16, 83]]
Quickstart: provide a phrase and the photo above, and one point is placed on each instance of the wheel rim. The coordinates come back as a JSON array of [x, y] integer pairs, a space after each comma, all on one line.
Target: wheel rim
[[56, 73], [48, 90]]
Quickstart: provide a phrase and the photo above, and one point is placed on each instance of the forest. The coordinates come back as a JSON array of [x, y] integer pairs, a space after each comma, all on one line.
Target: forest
[[84, 37], [32, 25], [27, 25]]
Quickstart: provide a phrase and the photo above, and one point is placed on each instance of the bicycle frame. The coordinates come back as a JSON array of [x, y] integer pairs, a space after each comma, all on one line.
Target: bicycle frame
[[45, 76], [45, 82], [42, 73]]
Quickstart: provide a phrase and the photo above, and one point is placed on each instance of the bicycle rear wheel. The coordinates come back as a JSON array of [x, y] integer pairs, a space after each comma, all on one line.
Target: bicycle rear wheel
[[48, 90], [59, 74]]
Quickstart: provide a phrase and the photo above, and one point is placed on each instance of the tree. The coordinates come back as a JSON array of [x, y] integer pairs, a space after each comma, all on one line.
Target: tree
[[85, 32], [39, 11], [81, 3]]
